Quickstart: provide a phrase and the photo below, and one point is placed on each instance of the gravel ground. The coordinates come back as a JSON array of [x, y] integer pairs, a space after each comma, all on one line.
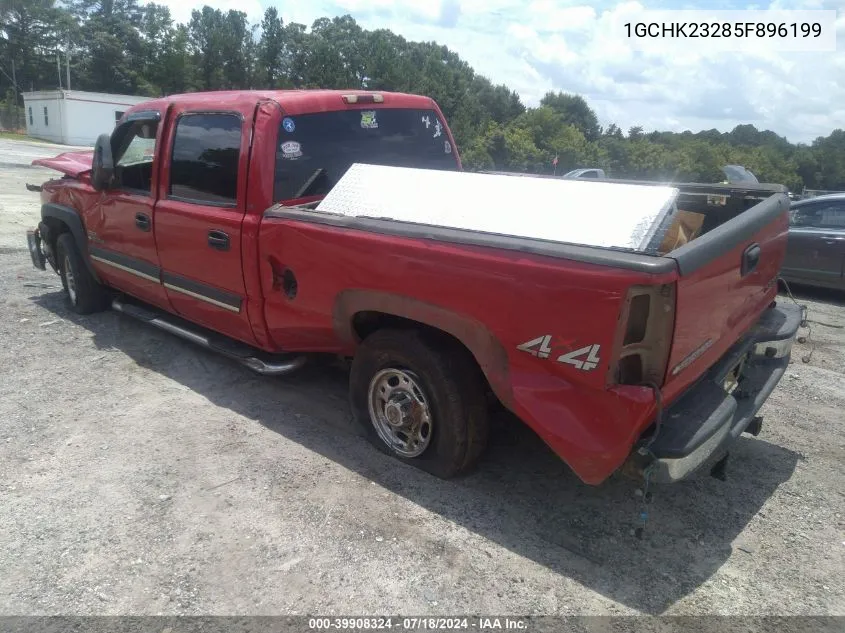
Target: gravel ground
[[142, 475]]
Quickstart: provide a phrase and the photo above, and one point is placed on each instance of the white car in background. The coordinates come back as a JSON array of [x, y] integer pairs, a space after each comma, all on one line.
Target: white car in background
[[589, 172]]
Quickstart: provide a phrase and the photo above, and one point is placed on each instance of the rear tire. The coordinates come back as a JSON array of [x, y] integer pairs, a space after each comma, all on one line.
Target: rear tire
[[420, 399], [84, 293]]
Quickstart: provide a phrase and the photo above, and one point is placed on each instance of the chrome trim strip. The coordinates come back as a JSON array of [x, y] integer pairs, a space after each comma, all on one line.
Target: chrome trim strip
[[195, 295], [126, 269]]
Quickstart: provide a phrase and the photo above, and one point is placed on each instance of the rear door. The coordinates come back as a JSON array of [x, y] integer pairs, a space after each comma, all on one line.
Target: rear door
[[199, 218], [816, 250]]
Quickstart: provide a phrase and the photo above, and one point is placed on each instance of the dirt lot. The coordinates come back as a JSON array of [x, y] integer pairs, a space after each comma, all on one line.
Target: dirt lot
[[142, 475]]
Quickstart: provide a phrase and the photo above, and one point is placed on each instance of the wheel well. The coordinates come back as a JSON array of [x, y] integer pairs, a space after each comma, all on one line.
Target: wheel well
[[366, 323], [57, 227]]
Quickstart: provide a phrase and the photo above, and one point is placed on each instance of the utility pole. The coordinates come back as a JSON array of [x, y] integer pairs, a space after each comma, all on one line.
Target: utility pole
[[67, 59], [59, 68], [15, 85]]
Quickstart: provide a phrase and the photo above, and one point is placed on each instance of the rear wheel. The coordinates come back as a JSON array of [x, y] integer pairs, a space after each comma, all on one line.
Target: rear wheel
[[420, 399], [84, 293]]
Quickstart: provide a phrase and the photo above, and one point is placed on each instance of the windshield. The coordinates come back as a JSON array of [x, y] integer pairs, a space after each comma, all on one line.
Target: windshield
[[315, 150]]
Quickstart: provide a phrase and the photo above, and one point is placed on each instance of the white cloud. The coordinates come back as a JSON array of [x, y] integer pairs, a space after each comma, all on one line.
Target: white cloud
[[548, 15], [578, 46]]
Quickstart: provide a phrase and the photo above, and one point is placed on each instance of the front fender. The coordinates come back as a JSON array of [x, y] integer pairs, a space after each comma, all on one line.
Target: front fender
[[53, 215]]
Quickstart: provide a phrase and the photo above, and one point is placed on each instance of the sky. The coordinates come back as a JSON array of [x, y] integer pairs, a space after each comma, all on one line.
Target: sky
[[577, 46]]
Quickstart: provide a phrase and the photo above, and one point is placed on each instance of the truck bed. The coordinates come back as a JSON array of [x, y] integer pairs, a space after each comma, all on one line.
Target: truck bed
[[608, 215]]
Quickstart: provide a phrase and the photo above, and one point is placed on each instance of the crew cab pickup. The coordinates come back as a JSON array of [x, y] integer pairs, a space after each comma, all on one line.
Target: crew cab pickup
[[268, 226]]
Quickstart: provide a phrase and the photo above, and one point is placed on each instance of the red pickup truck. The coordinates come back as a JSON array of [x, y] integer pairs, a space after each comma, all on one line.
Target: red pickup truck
[[200, 214]]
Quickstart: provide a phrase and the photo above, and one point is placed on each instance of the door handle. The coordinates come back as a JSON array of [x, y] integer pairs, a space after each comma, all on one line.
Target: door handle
[[833, 240], [218, 240], [750, 259], [142, 221]]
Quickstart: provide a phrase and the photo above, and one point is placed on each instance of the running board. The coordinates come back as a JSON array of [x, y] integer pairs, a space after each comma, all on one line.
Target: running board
[[240, 352]]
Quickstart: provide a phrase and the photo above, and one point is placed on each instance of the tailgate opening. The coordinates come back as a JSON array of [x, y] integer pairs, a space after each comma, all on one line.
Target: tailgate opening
[[701, 209]]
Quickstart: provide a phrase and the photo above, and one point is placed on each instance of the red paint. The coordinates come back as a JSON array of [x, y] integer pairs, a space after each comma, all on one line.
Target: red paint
[[591, 428], [492, 300], [716, 304], [71, 163]]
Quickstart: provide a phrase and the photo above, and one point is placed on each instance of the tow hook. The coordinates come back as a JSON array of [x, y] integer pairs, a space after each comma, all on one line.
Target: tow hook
[[719, 470], [755, 426]]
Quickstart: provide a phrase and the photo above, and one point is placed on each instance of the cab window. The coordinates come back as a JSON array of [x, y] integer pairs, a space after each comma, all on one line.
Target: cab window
[[135, 153], [206, 152]]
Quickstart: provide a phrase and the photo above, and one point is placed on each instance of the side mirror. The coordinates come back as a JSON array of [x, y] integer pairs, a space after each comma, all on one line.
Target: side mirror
[[102, 168]]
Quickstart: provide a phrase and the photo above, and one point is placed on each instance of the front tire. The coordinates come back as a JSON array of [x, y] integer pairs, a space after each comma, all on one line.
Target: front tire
[[420, 399], [84, 293]]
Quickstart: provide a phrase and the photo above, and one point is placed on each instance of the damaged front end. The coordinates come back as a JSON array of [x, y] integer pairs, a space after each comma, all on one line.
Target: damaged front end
[[38, 241], [34, 242]]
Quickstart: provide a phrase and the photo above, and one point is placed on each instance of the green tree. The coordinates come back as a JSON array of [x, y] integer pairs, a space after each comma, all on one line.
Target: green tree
[[206, 34], [613, 131], [32, 34], [135, 47], [337, 54], [574, 110], [113, 53], [272, 67]]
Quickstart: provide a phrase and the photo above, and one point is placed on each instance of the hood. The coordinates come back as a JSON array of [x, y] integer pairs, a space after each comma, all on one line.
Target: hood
[[73, 164]]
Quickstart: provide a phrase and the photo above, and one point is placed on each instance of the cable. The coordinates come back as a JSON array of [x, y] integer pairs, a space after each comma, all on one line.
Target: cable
[[802, 306], [645, 449], [804, 322]]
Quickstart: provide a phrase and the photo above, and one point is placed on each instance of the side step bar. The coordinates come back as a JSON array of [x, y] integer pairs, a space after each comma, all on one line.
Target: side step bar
[[244, 354]]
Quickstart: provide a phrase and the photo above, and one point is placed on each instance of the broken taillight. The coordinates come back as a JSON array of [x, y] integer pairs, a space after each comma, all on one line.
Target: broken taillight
[[644, 336]]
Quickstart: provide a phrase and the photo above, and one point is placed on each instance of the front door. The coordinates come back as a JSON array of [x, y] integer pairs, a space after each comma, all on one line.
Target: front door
[[121, 239], [816, 250], [199, 215]]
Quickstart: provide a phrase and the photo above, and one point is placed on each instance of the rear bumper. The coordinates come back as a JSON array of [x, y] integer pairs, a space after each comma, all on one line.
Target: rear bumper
[[699, 427]]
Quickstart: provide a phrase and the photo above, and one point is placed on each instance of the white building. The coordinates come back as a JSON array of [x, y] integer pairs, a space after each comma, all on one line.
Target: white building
[[72, 117]]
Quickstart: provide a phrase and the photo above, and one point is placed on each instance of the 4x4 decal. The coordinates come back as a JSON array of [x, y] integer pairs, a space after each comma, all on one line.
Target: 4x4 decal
[[585, 358]]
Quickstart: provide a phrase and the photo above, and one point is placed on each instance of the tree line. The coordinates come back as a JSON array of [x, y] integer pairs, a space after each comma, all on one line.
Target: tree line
[[126, 47]]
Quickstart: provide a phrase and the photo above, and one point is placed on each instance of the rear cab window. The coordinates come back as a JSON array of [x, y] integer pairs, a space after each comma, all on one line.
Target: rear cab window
[[315, 150]]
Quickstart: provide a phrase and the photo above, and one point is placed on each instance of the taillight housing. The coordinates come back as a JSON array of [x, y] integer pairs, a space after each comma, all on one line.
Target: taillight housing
[[644, 336]]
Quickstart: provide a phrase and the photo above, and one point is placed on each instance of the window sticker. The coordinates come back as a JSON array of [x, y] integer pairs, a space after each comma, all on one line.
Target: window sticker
[[288, 125], [447, 147], [291, 150], [427, 121], [368, 120], [438, 129]]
